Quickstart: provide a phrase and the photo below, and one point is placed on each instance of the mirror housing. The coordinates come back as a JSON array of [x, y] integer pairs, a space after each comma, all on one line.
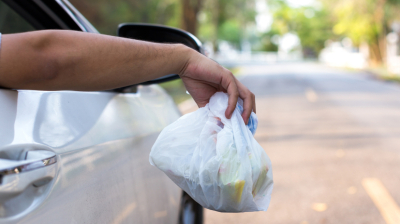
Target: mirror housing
[[158, 34]]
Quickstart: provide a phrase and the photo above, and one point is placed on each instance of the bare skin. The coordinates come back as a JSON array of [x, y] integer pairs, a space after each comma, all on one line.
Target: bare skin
[[70, 60]]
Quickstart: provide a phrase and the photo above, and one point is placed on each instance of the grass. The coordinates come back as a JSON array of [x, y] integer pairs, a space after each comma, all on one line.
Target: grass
[[383, 74], [392, 78]]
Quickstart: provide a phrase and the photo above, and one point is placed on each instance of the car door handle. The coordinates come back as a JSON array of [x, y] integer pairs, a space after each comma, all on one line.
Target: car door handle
[[37, 168]]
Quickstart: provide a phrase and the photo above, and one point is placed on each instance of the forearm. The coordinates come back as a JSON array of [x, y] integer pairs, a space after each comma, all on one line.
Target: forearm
[[70, 60], [57, 60]]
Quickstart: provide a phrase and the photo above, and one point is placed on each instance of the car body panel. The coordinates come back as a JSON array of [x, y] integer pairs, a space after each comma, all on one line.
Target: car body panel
[[102, 141]]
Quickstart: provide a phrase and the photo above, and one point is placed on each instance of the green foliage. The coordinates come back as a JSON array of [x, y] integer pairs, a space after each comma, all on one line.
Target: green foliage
[[230, 31], [223, 19], [357, 20], [266, 43], [313, 26], [206, 31], [105, 15], [285, 17], [361, 20], [365, 21], [226, 20]]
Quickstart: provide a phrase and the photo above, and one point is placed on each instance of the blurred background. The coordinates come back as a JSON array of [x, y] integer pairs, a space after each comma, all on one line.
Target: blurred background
[[354, 34], [325, 74], [348, 33]]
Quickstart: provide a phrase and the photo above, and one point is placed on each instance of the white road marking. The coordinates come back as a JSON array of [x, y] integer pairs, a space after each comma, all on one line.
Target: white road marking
[[352, 190], [382, 199], [311, 95], [340, 153], [319, 207], [160, 214], [125, 213]]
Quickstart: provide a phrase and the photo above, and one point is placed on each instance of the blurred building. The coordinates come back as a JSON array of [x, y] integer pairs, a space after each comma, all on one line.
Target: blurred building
[[343, 54], [393, 53], [289, 50]]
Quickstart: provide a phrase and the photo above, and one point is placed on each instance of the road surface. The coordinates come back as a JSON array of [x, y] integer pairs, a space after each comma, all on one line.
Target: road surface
[[333, 137]]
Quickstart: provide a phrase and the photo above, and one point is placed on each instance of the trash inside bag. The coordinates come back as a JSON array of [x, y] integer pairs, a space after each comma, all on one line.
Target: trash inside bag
[[216, 160]]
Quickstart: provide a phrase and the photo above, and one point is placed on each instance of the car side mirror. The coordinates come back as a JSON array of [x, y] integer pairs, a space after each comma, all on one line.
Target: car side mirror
[[159, 34]]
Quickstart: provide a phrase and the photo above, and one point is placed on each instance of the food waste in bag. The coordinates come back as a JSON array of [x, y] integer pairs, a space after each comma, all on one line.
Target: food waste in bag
[[216, 160]]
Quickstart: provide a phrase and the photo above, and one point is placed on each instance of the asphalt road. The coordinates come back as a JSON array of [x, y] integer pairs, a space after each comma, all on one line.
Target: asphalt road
[[333, 137]]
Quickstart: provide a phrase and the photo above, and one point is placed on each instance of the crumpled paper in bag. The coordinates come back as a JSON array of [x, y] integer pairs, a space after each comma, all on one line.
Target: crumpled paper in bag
[[216, 160]]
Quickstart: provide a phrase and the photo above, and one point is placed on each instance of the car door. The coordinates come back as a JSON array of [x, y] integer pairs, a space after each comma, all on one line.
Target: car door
[[80, 157]]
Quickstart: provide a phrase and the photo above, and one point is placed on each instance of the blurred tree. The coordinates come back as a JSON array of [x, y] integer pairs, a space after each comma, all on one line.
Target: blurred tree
[[313, 26], [231, 31], [222, 19], [106, 15], [190, 11], [267, 41], [226, 20], [365, 21]]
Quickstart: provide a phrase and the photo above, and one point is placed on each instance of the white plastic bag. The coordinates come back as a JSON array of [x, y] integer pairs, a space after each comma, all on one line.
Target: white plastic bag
[[216, 160]]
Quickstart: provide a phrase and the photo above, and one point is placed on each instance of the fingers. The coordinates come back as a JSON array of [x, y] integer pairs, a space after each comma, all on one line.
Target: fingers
[[236, 89], [229, 83], [203, 79], [254, 104], [249, 101], [233, 98]]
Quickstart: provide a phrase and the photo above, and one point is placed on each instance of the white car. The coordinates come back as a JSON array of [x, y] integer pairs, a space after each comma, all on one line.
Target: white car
[[83, 157]]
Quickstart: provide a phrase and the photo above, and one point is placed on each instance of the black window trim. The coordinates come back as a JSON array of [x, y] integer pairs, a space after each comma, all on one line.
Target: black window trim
[[51, 14]]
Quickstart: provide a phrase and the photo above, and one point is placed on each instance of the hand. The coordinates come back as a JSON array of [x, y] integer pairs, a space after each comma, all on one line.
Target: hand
[[203, 77]]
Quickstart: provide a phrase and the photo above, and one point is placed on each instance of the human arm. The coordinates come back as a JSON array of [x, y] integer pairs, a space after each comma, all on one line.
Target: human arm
[[70, 60]]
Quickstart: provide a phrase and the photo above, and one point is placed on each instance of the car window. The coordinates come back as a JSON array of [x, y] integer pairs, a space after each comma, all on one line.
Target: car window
[[106, 15], [11, 22]]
